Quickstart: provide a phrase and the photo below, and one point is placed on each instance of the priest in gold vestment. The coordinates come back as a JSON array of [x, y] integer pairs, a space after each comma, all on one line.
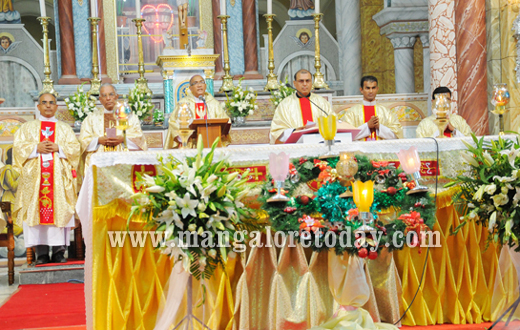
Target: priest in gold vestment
[[375, 121], [46, 153], [297, 110], [202, 106], [93, 129], [457, 126]]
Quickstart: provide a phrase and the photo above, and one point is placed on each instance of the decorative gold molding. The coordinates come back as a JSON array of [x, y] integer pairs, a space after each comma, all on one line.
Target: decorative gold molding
[[109, 17], [183, 61], [209, 73]]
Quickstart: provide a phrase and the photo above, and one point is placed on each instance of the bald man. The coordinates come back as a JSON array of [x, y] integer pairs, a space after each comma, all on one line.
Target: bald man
[[202, 106]]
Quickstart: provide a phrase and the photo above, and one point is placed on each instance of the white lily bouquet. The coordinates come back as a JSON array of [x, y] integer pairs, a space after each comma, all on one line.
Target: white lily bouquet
[[242, 103], [80, 104], [280, 94], [198, 205], [490, 192], [140, 103]]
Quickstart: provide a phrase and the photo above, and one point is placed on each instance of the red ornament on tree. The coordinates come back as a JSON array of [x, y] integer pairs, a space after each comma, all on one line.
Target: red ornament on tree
[[363, 253], [304, 199], [372, 255], [391, 191]]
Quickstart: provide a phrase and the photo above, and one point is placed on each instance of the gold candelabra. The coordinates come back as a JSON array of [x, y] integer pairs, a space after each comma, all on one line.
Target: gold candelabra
[[142, 82], [95, 82], [227, 80], [272, 79], [48, 84], [319, 80]]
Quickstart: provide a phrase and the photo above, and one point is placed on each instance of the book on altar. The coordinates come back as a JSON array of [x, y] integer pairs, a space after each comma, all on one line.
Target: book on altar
[[312, 128]]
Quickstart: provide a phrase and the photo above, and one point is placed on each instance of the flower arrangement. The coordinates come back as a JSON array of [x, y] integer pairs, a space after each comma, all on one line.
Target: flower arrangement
[[195, 199], [242, 103], [158, 117], [490, 191], [280, 94], [80, 104], [140, 103], [325, 213]]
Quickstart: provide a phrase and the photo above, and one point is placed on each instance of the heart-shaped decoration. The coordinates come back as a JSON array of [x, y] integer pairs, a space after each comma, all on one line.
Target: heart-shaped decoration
[[158, 20]]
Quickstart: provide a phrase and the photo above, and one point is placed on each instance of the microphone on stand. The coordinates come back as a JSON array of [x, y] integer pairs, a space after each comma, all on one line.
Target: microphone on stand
[[306, 97], [203, 99]]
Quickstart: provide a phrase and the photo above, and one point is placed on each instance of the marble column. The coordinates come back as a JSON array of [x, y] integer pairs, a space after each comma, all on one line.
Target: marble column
[[403, 60], [250, 40], [425, 40], [470, 18], [217, 38], [82, 36], [348, 25], [68, 57], [235, 38], [443, 51]]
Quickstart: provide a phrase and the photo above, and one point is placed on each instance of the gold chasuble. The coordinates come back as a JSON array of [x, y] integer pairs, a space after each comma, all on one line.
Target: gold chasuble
[[355, 116], [215, 111], [47, 189], [288, 114], [428, 128], [94, 126]]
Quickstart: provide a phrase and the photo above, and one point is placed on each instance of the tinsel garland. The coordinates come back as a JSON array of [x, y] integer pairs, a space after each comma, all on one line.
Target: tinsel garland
[[330, 209]]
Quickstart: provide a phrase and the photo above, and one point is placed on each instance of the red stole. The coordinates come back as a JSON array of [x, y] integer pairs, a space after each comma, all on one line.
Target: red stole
[[368, 112], [46, 195], [200, 111], [447, 132], [305, 107]]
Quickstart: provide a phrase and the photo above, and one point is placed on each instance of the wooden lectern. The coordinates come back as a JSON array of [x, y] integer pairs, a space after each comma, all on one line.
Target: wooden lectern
[[211, 129]]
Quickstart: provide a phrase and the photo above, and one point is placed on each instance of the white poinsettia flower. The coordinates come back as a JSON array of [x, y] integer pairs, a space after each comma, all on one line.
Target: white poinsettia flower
[[187, 205], [511, 155]]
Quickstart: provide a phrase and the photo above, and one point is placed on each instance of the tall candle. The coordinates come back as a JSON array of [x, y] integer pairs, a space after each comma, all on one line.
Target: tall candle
[[269, 7], [42, 8], [317, 6], [93, 8], [222, 7]]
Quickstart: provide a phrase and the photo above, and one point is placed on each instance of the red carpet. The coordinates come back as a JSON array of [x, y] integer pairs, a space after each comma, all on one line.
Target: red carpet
[[68, 263], [44, 305]]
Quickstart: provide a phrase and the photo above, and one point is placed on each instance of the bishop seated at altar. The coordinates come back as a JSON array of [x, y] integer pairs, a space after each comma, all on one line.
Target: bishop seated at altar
[[46, 153], [202, 106], [457, 126], [99, 128], [374, 120], [298, 110]]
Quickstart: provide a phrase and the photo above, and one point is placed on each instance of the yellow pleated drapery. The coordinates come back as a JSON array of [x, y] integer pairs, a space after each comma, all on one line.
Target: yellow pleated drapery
[[270, 288], [459, 276]]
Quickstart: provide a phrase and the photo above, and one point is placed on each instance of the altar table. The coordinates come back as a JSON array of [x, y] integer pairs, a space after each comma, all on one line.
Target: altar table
[[269, 288]]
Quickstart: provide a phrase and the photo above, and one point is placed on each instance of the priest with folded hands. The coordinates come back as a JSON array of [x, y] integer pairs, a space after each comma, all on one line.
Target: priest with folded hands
[[298, 110]]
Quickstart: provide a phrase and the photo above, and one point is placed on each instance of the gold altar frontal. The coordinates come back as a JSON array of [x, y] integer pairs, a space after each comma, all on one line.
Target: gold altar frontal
[[194, 61], [285, 288]]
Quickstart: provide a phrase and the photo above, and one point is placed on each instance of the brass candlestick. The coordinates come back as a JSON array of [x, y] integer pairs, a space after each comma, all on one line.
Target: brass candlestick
[[319, 80], [442, 111], [272, 79], [95, 82], [227, 80], [48, 84], [142, 82]]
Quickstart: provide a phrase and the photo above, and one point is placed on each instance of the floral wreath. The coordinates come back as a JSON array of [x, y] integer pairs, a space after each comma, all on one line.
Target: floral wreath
[[313, 217]]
